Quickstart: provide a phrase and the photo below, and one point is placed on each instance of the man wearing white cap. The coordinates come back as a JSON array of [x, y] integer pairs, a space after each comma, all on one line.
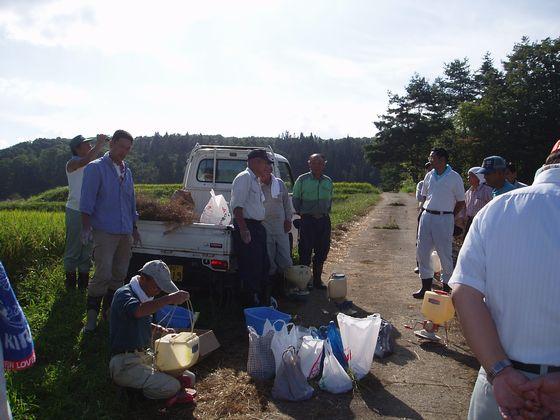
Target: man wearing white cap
[[131, 329]]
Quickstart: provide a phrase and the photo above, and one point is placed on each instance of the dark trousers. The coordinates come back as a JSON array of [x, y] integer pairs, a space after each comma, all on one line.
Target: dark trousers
[[252, 258], [314, 238]]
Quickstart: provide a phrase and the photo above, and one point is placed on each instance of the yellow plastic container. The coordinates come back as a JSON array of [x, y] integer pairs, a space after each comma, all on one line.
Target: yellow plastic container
[[437, 308], [176, 352], [337, 287]]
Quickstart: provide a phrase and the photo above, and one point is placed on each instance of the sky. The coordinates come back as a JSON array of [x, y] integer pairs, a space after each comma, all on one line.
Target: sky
[[236, 68]]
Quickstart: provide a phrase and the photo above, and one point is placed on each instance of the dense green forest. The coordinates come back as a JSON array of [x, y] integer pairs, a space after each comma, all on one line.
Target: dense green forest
[[32, 167], [512, 110]]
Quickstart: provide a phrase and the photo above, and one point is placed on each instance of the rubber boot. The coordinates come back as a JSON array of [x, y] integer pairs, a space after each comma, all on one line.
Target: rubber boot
[[426, 287], [83, 280], [317, 272], [93, 305], [107, 300], [70, 281]]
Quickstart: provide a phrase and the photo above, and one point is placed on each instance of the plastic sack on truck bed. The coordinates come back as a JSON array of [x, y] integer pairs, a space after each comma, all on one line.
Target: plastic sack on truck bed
[[216, 211], [260, 362], [290, 384], [359, 338], [310, 356], [334, 379]]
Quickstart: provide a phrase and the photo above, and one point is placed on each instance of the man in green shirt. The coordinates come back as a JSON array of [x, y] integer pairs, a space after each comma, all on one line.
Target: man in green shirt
[[312, 199]]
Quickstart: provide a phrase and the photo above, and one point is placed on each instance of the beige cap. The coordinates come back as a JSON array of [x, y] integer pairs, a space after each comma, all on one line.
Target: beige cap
[[159, 271]]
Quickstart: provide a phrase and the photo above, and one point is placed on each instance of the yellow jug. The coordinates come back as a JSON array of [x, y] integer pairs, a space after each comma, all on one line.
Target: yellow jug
[[176, 352], [438, 307]]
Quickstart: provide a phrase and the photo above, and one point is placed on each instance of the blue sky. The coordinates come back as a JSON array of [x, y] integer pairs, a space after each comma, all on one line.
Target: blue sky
[[236, 68]]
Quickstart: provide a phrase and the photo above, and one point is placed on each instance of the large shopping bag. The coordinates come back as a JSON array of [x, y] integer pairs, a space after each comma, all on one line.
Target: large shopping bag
[[290, 384], [282, 340], [310, 356], [216, 211], [359, 337], [334, 378], [333, 335], [260, 361]]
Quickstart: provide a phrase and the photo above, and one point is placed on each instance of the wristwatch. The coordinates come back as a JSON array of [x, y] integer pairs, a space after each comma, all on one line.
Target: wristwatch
[[496, 369]]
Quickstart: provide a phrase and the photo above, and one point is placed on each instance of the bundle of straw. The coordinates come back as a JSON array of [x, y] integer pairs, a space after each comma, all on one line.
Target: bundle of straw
[[177, 211]]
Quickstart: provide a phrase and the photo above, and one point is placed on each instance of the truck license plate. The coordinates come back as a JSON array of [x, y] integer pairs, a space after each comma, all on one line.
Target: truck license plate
[[176, 273]]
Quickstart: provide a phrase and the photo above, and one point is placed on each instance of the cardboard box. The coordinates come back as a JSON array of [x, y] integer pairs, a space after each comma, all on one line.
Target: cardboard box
[[207, 342]]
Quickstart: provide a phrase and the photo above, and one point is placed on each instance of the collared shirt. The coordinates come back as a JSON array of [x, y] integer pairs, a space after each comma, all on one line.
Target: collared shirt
[[476, 198], [277, 209], [511, 256], [518, 184], [247, 194], [311, 195], [443, 191], [110, 202], [506, 188], [126, 332]]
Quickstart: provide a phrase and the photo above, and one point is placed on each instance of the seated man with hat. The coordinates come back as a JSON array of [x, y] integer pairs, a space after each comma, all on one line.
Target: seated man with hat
[[131, 333]]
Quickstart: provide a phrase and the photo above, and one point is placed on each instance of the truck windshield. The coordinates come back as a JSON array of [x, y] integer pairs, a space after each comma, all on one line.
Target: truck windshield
[[226, 170]]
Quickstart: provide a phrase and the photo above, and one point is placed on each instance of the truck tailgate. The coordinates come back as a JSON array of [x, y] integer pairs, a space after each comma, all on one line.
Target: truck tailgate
[[202, 238]]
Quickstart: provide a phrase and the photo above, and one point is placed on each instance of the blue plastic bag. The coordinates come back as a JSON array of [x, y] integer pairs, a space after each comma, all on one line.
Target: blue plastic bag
[[333, 335]]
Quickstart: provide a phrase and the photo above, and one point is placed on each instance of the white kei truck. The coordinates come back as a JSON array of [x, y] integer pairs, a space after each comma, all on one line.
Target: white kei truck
[[201, 256]]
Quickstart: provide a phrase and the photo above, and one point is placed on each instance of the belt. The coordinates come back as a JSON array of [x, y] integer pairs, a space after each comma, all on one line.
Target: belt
[[138, 350], [438, 212], [536, 369], [253, 221]]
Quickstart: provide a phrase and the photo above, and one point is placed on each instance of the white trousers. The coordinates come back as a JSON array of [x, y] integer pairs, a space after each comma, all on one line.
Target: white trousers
[[435, 232]]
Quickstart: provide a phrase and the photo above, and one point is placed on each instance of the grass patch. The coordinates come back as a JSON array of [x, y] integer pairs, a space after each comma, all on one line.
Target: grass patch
[[408, 186]]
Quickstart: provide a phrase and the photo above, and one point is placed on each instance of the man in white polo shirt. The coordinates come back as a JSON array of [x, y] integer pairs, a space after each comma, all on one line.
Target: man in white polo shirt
[[444, 197], [506, 290]]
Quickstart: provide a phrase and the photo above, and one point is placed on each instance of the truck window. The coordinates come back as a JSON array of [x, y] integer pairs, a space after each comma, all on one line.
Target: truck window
[[286, 175], [226, 170]]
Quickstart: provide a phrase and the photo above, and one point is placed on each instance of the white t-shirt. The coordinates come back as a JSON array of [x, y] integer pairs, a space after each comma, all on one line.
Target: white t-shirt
[[511, 255], [75, 179], [443, 192]]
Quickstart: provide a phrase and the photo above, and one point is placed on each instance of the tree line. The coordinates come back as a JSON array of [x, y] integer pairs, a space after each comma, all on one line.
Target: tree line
[[32, 167], [512, 111]]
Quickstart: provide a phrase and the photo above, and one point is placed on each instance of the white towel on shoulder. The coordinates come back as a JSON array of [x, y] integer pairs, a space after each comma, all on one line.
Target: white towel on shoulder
[[136, 288], [274, 187]]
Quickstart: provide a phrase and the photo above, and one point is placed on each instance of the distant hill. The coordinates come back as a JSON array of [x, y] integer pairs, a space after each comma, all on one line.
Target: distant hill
[[32, 167]]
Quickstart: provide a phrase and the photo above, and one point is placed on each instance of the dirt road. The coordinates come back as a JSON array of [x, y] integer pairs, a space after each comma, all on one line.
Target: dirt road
[[421, 380]]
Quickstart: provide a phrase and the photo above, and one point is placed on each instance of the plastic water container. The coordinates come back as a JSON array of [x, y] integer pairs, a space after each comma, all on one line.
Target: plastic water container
[[172, 316], [298, 275], [256, 317], [435, 262], [438, 307], [176, 352], [337, 286]]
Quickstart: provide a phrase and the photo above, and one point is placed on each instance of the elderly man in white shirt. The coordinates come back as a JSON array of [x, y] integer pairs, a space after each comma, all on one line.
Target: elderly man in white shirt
[[444, 197], [249, 236], [506, 290]]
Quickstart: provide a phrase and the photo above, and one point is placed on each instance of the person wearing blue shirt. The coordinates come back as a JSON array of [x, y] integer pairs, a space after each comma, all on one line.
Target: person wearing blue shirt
[[108, 207], [494, 170]]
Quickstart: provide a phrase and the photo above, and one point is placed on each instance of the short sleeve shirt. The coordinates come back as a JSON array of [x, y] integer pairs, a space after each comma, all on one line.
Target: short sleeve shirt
[[126, 332], [443, 192]]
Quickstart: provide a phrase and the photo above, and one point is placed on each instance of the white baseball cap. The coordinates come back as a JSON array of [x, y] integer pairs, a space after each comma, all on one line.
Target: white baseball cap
[[159, 271]]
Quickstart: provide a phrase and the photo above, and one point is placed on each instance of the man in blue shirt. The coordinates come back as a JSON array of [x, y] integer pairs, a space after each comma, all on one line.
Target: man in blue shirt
[[494, 170], [108, 207]]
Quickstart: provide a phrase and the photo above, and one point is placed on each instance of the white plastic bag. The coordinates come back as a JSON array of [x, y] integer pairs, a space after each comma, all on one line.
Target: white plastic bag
[[216, 211], [283, 339], [359, 336], [290, 384], [334, 379], [310, 355], [435, 262], [260, 361]]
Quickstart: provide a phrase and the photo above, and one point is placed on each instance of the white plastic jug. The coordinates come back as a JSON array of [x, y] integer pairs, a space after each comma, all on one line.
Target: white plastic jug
[[336, 286], [435, 262], [176, 352]]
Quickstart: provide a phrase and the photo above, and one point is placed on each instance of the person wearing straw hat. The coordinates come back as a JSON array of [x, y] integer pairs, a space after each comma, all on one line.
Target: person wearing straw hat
[[131, 330], [77, 255]]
